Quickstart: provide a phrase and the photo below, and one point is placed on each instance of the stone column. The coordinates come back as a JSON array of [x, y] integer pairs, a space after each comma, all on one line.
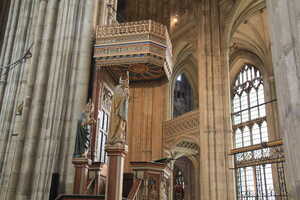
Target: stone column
[[284, 18], [114, 185], [214, 87]]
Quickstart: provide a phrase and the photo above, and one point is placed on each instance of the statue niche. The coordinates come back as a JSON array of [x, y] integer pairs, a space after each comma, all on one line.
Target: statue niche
[[84, 124], [119, 112]]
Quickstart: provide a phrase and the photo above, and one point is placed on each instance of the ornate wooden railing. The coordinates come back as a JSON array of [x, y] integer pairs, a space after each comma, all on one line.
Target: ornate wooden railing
[[131, 28], [185, 124], [134, 190]]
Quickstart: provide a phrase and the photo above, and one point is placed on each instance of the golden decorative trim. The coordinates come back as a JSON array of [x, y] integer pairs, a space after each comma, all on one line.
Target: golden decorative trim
[[257, 147]]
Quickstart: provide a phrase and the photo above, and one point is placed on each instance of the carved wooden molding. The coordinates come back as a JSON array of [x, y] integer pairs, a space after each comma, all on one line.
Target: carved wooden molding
[[132, 28]]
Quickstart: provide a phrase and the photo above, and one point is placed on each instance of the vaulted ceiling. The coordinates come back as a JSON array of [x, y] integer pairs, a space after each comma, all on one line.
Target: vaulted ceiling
[[247, 34], [253, 35]]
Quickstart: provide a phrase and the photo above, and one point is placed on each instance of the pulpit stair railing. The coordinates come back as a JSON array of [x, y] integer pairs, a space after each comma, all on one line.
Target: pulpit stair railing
[[135, 190]]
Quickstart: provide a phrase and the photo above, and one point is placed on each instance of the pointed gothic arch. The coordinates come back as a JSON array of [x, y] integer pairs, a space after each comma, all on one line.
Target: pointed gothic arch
[[184, 181], [186, 67], [183, 100]]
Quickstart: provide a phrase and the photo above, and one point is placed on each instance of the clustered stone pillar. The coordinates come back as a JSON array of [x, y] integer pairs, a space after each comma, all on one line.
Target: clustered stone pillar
[[216, 179], [38, 141], [285, 34]]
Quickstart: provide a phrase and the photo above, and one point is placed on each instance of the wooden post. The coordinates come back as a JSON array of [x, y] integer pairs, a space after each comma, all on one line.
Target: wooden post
[[116, 154], [81, 174]]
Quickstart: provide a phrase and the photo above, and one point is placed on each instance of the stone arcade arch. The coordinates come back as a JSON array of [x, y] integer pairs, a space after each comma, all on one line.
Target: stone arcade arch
[[185, 67], [183, 179], [185, 155]]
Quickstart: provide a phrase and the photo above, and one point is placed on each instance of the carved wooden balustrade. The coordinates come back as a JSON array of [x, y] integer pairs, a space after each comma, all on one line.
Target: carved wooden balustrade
[[143, 48], [186, 124]]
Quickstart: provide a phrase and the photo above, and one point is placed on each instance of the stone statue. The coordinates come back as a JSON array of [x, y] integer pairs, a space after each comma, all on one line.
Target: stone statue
[[119, 112], [20, 108], [83, 131]]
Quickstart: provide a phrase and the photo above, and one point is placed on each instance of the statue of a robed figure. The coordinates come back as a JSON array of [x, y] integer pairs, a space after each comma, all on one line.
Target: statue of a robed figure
[[119, 112], [116, 147], [84, 124]]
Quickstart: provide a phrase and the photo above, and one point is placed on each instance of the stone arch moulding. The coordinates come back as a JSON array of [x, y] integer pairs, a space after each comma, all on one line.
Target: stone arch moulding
[[184, 146], [194, 159], [187, 138], [188, 94], [190, 173], [188, 67], [241, 57], [238, 13]]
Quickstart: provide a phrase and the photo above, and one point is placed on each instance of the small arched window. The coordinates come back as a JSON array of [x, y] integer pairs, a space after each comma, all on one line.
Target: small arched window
[[103, 125], [182, 96]]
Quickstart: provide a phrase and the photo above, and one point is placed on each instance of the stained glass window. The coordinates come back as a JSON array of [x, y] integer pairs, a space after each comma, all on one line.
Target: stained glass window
[[250, 128], [182, 96], [103, 125]]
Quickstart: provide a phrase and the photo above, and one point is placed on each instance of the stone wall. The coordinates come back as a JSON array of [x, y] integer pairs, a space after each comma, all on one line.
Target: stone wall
[[285, 30], [52, 86]]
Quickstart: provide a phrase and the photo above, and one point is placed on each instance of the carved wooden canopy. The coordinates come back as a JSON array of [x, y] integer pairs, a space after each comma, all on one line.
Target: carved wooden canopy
[[143, 48]]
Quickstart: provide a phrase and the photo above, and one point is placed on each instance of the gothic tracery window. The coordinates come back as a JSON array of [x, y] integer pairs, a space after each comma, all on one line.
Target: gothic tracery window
[[249, 112], [182, 96], [250, 128]]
